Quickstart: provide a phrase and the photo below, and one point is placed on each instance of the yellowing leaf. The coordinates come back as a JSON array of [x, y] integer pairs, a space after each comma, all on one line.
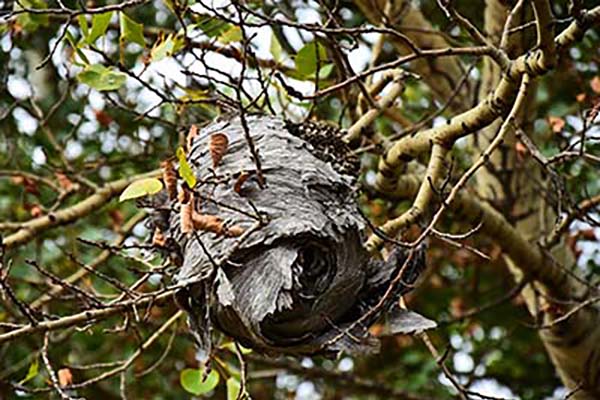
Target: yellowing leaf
[[141, 187], [231, 347], [275, 48], [131, 31], [185, 171], [233, 388], [233, 34], [163, 47], [195, 94], [170, 5], [191, 381], [32, 371]]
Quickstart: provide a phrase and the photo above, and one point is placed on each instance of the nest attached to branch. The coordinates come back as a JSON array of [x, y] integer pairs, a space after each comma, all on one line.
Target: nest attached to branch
[[275, 258]]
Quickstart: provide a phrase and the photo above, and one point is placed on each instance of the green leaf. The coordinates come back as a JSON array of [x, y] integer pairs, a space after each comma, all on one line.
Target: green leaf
[[233, 34], [275, 48], [83, 24], [141, 187], [31, 22], [34, 368], [101, 78], [191, 381], [325, 71], [100, 23], [131, 31], [306, 59], [164, 47], [233, 388], [211, 26], [69, 38], [185, 171]]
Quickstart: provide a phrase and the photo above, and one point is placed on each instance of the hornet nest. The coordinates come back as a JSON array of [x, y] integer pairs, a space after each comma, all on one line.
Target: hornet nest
[[274, 258]]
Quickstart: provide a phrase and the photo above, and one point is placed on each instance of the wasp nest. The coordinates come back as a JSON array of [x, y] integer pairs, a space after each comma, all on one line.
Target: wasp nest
[[274, 257]]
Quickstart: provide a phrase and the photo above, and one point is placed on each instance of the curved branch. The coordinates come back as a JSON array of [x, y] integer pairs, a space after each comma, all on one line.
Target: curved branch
[[34, 227], [483, 114]]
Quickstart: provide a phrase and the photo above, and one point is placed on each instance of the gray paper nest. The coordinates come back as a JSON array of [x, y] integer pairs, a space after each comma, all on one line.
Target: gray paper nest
[[298, 280]]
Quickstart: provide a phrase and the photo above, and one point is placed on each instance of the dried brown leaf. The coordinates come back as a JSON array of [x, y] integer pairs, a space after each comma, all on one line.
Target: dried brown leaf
[[192, 134], [185, 215], [169, 177], [17, 180], [65, 377], [457, 307], [36, 211], [183, 196], [556, 123], [158, 238], [208, 223], [521, 150], [588, 234], [103, 118], [63, 181], [595, 84], [593, 113], [235, 231], [237, 187], [117, 219], [218, 147]]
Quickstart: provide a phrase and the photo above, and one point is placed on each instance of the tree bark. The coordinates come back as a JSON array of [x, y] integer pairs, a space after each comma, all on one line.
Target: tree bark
[[512, 186], [573, 345]]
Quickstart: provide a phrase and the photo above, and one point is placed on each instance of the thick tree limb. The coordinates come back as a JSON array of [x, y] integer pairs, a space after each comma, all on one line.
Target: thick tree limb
[[486, 112]]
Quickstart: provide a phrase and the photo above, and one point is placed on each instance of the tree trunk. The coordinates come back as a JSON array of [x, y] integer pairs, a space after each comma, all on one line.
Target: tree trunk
[[513, 187], [574, 345]]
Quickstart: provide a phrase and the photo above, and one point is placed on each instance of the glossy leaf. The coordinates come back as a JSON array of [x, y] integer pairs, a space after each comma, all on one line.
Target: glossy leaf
[[141, 187], [185, 171], [100, 23], [102, 78], [131, 31], [191, 381]]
